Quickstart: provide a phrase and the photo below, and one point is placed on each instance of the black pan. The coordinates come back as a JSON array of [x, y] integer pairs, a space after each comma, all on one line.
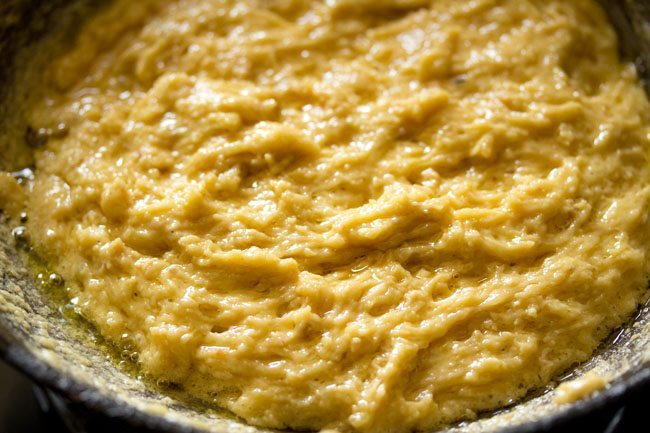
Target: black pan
[[38, 336]]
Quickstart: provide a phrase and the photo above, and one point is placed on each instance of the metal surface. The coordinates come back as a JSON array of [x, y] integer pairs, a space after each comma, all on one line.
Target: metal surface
[[68, 358]]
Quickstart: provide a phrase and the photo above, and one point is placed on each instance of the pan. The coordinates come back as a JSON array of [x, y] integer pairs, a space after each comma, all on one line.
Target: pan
[[40, 337]]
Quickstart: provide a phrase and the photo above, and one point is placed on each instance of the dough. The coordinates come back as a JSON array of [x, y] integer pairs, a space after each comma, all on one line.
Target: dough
[[368, 215]]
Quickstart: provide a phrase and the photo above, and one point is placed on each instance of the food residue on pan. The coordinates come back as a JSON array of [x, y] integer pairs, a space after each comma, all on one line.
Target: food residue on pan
[[576, 389]]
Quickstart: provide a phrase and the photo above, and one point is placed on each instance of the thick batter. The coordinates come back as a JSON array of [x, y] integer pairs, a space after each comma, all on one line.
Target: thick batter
[[367, 215]]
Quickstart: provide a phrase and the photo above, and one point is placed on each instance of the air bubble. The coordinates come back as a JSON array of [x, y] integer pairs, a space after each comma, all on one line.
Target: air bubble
[[55, 280], [23, 176], [36, 138], [20, 235]]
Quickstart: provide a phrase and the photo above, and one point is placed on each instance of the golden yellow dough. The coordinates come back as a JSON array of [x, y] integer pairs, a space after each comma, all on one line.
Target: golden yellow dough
[[576, 389], [365, 215]]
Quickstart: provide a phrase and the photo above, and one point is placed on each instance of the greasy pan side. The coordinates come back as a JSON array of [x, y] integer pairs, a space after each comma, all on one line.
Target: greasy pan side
[[67, 357]]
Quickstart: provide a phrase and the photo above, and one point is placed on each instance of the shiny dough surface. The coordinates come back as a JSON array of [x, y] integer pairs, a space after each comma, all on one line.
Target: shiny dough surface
[[362, 215]]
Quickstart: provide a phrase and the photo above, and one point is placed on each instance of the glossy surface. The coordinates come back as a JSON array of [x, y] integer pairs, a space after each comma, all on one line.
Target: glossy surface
[[360, 215]]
